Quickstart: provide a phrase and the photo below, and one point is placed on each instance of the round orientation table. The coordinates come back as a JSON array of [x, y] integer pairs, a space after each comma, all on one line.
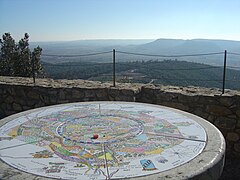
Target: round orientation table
[[109, 140]]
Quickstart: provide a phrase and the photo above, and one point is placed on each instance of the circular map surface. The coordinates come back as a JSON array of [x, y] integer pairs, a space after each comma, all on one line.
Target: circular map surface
[[100, 140]]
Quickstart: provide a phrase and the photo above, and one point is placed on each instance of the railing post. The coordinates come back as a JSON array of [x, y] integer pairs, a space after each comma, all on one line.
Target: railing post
[[114, 68], [224, 71]]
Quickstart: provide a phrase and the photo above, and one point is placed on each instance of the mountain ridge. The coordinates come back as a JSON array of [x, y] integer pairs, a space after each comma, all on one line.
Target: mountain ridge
[[162, 46]]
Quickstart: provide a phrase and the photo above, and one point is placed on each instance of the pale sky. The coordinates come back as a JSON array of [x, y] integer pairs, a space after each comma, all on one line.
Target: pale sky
[[62, 20]]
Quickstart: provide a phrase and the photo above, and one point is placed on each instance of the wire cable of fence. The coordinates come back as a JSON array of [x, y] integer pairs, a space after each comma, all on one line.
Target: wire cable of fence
[[233, 80], [160, 56], [77, 55], [234, 67], [72, 65], [233, 53], [188, 69], [165, 56], [167, 69], [180, 79], [207, 80], [175, 79]]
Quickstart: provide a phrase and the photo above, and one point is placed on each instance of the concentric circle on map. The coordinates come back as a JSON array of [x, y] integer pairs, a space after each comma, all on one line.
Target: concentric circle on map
[[134, 140], [109, 127]]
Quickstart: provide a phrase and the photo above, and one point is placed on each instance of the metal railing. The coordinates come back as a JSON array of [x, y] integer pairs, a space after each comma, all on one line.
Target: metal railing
[[114, 52]]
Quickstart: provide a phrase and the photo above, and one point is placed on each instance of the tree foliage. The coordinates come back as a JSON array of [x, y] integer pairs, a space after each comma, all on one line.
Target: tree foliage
[[167, 72], [16, 59]]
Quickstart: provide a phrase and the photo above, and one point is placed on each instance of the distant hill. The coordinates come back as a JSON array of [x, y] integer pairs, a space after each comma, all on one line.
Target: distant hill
[[180, 73], [195, 46], [159, 46], [191, 46]]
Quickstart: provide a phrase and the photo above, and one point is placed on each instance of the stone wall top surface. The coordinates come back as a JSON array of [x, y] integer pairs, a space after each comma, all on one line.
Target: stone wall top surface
[[63, 83], [193, 90]]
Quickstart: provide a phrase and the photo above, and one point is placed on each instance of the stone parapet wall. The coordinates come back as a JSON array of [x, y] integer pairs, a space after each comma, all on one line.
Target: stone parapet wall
[[19, 94], [221, 110]]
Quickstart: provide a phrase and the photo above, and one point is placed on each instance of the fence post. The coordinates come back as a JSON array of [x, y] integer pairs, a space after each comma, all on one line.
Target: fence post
[[224, 71], [114, 68], [33, 68]]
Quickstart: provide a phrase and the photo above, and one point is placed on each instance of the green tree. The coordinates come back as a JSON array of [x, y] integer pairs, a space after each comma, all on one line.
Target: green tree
[[16, 59], [7, 54]]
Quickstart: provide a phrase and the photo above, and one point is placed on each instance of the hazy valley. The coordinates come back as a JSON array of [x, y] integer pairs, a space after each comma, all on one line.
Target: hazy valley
[[199, 70], [168, 47]]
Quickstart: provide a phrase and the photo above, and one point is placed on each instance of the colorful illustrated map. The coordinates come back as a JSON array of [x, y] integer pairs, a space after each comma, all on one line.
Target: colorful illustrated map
[[100, 140]]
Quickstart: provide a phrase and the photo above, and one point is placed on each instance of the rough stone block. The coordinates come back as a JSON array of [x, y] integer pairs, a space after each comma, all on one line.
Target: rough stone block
[[146, 100], [68, 96], [21, 101], [20, 92], [53, 99], [101, 93], [211, 118], [207, 100], [238, 112], [11, 91], [127, 92], [61, 95], [226, 101], [232, 136], [238, 123], [8, 112], [224, 131], [200, 112], [9, 99], [225, 123], [39, 104], [2, 113], [110, 98], [3, 105], [32, 95], [149, 91], [9, 106], [229, 145], [187, 98], [124, 98], [113, 92], [77, 94], [44, 98], [2, 97], [238, 131], [4, 90], [31, 102], [63, 101], [232, 116], [237, 147], [52, 92], [17, 107], [218, 110], [26, 108], [89, 93], [167, 96]]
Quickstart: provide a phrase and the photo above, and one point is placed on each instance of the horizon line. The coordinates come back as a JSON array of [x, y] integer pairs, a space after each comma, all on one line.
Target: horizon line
[[134, 39]]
